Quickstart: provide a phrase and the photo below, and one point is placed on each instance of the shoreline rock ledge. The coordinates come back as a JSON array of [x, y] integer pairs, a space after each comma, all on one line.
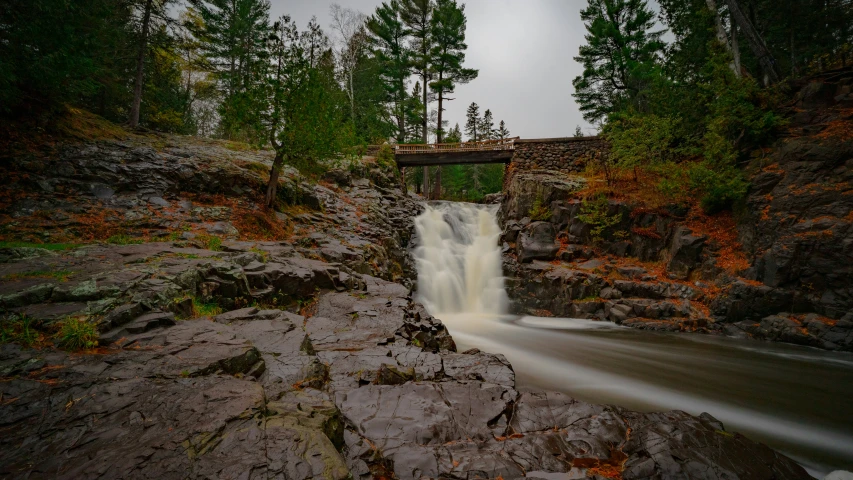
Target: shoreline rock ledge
[[366, 386]]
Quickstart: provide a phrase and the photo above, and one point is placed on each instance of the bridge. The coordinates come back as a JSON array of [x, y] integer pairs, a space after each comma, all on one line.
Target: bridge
[[487, 151]]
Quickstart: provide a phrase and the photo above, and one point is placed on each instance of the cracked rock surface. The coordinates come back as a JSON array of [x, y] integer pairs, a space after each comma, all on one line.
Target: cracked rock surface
[[366, 385]]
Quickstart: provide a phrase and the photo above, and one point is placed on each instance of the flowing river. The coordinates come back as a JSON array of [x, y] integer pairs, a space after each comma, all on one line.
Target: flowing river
[[795, 399]]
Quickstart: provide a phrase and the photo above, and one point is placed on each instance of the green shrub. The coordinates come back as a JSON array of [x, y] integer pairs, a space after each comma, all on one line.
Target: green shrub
[[385, 156], [77, 334], [539, 212], [211, 242], [593, 212], [719, 187]]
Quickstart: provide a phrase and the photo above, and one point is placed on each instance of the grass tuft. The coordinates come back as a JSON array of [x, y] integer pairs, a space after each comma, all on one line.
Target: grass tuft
[[205, 309], [76, 334], [19, 329]]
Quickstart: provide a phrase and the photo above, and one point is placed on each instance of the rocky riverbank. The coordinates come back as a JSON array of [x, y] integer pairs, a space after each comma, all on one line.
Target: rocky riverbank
[[238, 342], [778, 269]]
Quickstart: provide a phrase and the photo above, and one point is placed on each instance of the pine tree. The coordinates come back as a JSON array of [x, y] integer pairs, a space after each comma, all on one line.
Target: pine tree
[[414, 114], [473, 122], [502, 132], [417, 17], [388, 39], [234, 33], [448, 53], [578, 132], [487, 126], [618, 58], [454, 135]]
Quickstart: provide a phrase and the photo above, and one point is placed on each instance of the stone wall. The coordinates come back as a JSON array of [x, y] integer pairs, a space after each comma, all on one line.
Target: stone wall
[[567, 155]]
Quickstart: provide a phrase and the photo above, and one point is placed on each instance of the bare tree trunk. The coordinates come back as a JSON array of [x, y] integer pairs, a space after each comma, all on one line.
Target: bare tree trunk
[[721, 35], [140, 66], [756, 43], [736, 50], [272, 185], [439, 137]]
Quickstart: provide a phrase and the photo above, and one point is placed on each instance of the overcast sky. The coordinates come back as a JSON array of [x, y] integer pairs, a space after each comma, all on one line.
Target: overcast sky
[[523, 49]]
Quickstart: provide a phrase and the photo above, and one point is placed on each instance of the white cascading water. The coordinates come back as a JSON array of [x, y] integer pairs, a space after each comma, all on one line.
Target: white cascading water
[[459, 260]]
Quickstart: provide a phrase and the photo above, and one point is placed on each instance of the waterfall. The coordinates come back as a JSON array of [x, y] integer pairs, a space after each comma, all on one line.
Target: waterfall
[[459, 260]]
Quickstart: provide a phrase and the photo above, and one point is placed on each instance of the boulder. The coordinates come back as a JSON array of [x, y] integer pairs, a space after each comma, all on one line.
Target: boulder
[[536, 242], [685, 252]]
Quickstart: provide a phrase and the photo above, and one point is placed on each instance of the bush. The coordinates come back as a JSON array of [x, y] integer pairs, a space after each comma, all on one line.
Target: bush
[[385, 156], [640, 140], [719, 187], [539, 212], [593, 212], [77, 334]]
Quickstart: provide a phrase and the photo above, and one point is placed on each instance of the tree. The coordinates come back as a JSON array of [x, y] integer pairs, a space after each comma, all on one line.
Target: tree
[[350, 44], [619, 57], [46, 60], [417, 17], [502, 132], [304, 109], [578, 132], [387, 36], [473, 122], [233, 34], [448, 53], [487, 126], [414, 113], [454, 135]]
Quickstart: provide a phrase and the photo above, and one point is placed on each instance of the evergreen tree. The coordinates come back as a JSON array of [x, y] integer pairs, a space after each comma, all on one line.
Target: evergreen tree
[[387, 36], [46, 59], [304, 107], [414, 113], [447, 54], [473, 122], [578, 132], [454, 135], [233, 34], [487, 126], [417, 17], [502, 132], [619, 57]]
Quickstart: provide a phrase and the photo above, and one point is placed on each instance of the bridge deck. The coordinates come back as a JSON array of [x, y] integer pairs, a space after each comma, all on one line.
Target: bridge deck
[[488, 151]]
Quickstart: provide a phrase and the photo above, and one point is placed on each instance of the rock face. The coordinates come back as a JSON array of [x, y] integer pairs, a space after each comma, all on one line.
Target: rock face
[[780, 269], [367, 386], [537, 242]]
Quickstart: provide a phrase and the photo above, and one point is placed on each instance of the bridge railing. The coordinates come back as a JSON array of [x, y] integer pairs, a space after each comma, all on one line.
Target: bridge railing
[[482, 146]]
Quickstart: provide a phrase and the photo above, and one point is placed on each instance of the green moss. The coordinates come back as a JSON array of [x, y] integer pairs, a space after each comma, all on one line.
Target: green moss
[[46, 246], [61, 275], [124, 239]]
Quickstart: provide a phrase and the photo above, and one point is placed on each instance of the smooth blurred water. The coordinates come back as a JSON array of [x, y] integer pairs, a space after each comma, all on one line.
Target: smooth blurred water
[[796, 399]]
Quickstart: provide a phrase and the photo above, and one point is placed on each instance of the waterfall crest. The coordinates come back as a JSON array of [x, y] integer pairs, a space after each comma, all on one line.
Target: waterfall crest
[[459, 260]]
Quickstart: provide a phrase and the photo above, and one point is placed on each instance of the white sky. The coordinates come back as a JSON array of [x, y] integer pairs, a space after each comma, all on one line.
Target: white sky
[[523, 49]]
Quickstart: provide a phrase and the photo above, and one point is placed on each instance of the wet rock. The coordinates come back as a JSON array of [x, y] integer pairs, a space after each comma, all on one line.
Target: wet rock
[[536, 242], [685, 252]]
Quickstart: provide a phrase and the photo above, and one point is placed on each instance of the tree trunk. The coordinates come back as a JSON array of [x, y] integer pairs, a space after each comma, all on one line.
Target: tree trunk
[[756, 43], [272, 185], [439, 137], [736, 49], [140, 66], [721, 34]]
